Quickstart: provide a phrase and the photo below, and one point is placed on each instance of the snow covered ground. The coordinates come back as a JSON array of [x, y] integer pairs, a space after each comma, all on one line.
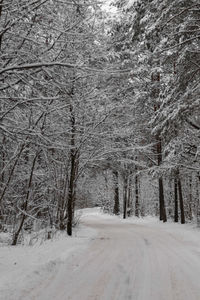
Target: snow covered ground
[[106, 259], [23, 267]]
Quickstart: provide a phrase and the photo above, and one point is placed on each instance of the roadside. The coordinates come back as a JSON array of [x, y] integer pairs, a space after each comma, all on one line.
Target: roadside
[[22, 267]]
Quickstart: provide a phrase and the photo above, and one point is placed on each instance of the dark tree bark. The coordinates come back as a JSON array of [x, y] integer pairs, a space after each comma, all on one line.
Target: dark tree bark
[[198, 199], [1, 9], [71, 196], [71, 190], [190, 199], [181, 202], [21, 150], [130, 207], [25, 206], [175, 200], [136, 195], [155, 95], [11, 173], [125, 197], [3, 157], [116, 209], [163, 216], [2, 179]]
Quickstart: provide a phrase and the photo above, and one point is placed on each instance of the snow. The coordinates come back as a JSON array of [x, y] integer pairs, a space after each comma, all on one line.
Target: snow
[[111, 11], [130, 3], [22, 267], [185, 232], [108, 7], [108, 258]]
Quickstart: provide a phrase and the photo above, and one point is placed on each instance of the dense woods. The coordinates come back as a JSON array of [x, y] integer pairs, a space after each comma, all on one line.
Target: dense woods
[[98, 107]]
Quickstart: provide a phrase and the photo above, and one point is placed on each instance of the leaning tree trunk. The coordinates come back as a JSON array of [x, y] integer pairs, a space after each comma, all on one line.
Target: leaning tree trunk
[[116, 209], [2, 181], [22, 147], [175, 200], [25, 206], [61, 213], [11, 173], [62, 205]]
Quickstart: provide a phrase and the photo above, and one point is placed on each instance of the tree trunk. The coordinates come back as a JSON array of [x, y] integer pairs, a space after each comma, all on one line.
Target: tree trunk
[[181, 202], [155, 77], [125, 197], [71, 188], [175, 200], [190, 199], [11, 173], [2, 181], [16, 234], [1, 9], [198, 199], [116, 209], [163, 216], [129, 202], [136, 195], [71, 197]]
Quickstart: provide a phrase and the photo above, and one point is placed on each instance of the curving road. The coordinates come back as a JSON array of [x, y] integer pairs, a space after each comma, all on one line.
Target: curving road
[[127, 262]]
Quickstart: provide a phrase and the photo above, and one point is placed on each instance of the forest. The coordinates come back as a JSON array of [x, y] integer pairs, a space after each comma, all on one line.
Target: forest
[[99, 106]]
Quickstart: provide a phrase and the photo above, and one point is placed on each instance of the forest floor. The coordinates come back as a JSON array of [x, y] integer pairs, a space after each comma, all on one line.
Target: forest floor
[[106, 259]]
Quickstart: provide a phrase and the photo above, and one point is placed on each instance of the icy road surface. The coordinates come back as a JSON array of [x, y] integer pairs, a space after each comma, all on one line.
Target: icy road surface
[[127, 262]]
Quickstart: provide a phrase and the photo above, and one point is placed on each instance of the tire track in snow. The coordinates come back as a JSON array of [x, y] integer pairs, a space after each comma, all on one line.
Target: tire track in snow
[[127, 262]]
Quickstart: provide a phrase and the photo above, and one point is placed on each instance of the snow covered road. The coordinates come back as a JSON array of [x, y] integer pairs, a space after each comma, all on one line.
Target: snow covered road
[[127, 261]]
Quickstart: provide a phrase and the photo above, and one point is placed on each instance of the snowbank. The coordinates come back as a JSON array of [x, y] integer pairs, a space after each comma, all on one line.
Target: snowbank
[[22, 267], [184, 232]]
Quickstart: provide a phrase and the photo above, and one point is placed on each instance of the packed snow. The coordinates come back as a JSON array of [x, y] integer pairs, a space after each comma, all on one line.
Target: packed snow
[[107, 258]]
